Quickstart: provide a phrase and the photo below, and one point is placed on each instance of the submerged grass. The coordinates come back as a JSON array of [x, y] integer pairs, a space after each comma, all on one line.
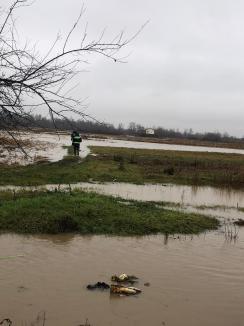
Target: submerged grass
[[89, 213], [135, 166]]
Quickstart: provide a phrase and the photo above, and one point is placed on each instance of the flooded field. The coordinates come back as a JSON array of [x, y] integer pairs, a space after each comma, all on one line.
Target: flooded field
[[50, 146], [193, 195], [64, 140], [144, 145], [189, 195], [193, 280], [219, 202]]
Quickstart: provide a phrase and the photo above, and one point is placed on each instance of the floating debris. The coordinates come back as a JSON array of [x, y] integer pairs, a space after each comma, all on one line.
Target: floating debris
[[98, 285], [121, 289], [124, 278], [118, 288]]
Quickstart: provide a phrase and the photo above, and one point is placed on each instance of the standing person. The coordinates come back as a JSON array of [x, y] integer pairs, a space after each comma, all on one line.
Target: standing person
[[76, 140]]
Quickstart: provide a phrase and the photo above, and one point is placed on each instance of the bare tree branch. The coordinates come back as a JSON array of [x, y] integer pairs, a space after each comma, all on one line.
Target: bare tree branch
[[30, 81]]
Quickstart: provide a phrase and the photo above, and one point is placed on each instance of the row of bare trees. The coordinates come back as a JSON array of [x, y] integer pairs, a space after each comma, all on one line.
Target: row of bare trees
[[31, 82], [133, 129]]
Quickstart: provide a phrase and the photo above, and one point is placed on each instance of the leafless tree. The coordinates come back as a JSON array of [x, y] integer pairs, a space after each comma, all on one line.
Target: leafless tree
[[30, 81]]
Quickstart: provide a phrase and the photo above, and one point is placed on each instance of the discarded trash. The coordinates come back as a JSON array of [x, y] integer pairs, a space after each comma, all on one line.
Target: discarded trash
[[120, 289], [98, 285], [124, 278]]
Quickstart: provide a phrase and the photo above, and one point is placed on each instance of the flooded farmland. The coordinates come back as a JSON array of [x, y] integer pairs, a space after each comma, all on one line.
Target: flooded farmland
[[193, 195], [121, 163], [51, 146], [194, 280]]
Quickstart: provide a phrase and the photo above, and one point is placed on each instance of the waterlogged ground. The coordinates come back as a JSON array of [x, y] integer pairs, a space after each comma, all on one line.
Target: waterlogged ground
[[219, 202], [50, 146], [193, 280], [190, 195]]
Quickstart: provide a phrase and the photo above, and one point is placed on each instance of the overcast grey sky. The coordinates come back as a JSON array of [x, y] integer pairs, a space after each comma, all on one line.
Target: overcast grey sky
[[185, 69]]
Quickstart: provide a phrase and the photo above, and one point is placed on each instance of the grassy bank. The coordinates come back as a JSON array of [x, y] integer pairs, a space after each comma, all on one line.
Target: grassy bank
[[136, 166], [88, 213]]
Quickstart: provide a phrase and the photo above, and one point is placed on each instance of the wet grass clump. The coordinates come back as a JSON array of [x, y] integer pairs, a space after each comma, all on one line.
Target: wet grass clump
[[89, 213]]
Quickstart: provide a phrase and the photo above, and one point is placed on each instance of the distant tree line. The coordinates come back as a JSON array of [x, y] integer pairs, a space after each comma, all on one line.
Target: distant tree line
[[133, 129]]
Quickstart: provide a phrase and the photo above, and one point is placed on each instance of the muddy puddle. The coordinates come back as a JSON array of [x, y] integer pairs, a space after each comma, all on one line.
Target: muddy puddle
[[193, 280]]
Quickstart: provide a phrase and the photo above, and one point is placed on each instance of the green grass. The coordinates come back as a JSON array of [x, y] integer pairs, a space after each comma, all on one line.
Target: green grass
[[135, 166], [89, 213], [159, 166]]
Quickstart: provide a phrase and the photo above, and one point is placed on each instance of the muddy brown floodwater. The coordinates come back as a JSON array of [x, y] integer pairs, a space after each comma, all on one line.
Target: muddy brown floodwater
[[195, 280]]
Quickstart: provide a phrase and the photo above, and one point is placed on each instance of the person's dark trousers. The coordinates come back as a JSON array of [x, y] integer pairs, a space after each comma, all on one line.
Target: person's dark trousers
[[76, 149]]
